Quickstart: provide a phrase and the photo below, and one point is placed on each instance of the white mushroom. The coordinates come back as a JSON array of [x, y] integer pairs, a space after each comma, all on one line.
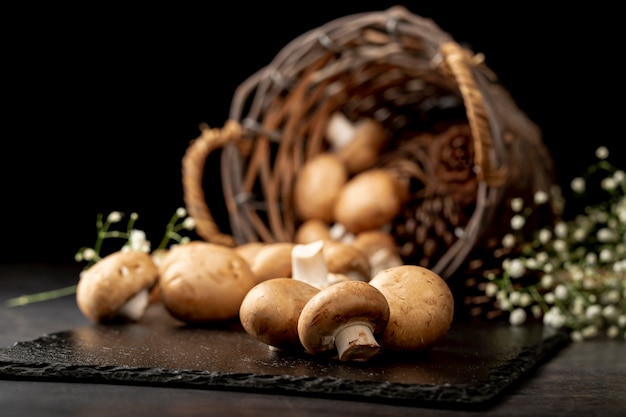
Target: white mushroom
[[203, 282], [117, 287], [270, 311], [421, 307], [343, 320]]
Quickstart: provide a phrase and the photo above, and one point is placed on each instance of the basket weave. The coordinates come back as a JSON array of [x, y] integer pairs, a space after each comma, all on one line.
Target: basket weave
[[456, 135]]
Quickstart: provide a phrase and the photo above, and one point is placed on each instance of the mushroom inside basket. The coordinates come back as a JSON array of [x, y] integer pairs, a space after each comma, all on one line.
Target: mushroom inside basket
[[443, 130]]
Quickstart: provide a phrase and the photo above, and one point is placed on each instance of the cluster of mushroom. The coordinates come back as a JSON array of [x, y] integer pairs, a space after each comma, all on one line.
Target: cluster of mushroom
[[342, 194], [284, 294], [404, 308]]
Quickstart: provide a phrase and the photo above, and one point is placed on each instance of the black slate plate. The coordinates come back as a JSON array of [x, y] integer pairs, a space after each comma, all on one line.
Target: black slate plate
[[472, 366]]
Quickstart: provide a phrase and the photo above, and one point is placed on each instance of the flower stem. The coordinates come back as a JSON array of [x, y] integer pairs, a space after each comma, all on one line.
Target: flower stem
[[41, 296]]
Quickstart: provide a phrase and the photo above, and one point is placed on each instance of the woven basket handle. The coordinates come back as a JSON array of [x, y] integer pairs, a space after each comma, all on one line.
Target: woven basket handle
[[459, 63], [193, 165]]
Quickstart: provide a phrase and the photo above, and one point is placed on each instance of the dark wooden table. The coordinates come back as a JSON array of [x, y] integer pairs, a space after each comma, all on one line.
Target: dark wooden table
[[583, 379]]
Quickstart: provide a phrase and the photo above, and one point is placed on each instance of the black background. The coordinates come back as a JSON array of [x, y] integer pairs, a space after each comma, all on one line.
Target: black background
[[99, 104]]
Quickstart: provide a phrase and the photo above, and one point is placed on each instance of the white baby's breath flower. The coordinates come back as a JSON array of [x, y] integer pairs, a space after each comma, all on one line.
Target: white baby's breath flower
[[593, 312], [508, 240], [89, 254], [491, 289], [561, 292], [544, 236], [515, 267], [114, 217], [517, 317], [517, 222], [602, 152], [189, 223], [560, 246], [547, 281], [608, 184], [612, 332], [560, 230], [619, 176], [137, 241], [606, 255], [578, 185], [517, 204], [181, 212], [606, 235], [541, 197]]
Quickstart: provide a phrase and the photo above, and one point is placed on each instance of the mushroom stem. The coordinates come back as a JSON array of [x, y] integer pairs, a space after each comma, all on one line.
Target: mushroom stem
[[134, 308], [309, 265], [356, 342]]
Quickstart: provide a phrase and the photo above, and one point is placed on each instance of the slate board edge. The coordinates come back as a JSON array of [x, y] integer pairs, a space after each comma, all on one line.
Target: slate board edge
[[463, 396]]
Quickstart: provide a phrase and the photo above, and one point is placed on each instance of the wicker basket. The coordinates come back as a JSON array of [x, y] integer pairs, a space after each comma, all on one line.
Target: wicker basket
[[455, 134]]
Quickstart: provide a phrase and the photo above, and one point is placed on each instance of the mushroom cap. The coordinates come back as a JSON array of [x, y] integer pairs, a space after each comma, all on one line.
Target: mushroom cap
[[380, 248], [336, 307], [249, 250], [421, 307], [342, 258], [204, 282], [364, 149], [108, 284], [317, 186], [273, 260], [369, 200], [270, 311], [312, 230]]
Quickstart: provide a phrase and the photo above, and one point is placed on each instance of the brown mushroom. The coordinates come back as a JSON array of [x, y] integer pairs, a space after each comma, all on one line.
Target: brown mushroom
[[309, 265], [342, 258], [380, 248], [272, 260], [317, 186], [204, 282], [312, 230], [357, 145], [421, 307], [270, 311], [369, 200], [117, 287], [343, 320]]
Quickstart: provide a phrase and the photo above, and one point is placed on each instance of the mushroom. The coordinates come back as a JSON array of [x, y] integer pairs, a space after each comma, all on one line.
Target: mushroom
[[249, 250], [117, 287], [421, 307], [344, 320], [312, 230], [369, 200], [309, 265], [270, 311], [342, 258], [317, 185], [380, 248], [272, 260], [204, 282], [357, 145]]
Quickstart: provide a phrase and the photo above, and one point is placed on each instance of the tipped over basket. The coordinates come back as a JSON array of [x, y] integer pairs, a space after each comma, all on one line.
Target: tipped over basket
[[456, 139]]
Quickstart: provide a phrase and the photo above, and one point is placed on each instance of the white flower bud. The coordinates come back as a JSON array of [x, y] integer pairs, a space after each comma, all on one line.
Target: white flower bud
[[114, 217], [578, 185], [593, 312], [517, 222], [541, 197], [517, 317], [561, 292], [181, 212], [517, 204], [602, 152]]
